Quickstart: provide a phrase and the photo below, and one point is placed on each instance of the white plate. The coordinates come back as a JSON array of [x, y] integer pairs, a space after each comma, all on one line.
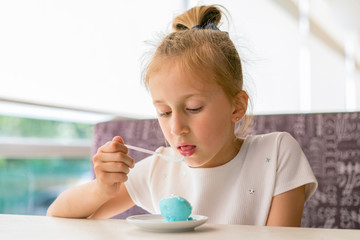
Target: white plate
[[156, 223]]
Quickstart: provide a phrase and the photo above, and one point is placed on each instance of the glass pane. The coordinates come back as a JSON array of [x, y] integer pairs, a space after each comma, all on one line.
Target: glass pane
[[11, 126], [29, 186]]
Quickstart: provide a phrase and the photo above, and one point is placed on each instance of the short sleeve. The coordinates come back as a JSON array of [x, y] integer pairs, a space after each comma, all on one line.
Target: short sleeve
[[293, 168]]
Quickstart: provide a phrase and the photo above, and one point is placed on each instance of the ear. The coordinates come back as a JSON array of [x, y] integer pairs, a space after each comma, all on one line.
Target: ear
[[240, 106]]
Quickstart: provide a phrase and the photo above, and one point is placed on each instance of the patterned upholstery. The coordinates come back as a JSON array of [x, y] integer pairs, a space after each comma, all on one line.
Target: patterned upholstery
[[331, 141]]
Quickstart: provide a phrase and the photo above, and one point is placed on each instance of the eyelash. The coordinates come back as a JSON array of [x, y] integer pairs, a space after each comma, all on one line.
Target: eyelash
[[191, 110], [194, 110], [164, 114]]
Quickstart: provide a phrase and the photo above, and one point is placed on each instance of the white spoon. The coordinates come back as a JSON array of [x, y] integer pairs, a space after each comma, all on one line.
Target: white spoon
[[169, 158]]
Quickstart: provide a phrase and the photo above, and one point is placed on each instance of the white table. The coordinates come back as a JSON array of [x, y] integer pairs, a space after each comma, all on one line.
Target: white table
[[25, 227]]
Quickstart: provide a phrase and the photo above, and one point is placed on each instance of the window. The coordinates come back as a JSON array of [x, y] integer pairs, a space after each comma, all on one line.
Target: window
[[39, 159]]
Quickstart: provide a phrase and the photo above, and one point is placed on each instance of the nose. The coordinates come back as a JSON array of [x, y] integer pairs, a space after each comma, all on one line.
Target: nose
[[179, 125]]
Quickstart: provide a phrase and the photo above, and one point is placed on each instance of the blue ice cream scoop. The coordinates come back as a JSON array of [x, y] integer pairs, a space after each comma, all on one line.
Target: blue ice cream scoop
[[175, 208]]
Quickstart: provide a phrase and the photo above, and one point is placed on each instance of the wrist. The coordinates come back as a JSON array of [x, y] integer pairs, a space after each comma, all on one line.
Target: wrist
[[102, 193]]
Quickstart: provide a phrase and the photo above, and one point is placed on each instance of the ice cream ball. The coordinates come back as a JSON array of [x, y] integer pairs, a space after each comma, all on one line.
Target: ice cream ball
[[175, 208]]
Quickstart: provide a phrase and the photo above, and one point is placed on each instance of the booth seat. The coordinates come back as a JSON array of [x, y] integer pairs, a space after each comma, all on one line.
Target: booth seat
[[331, 142]]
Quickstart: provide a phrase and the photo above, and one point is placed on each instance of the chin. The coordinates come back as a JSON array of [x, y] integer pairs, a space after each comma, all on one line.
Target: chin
[[194, 164]]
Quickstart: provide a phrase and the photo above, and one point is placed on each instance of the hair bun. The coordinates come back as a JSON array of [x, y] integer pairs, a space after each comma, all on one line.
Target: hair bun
[[200, 15], [211, 15]]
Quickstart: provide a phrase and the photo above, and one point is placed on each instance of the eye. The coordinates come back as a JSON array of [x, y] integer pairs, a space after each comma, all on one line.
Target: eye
[[194, 110], [164, 114]]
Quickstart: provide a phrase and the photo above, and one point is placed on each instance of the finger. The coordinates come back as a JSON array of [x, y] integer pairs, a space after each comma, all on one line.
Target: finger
[[113, 146], [114, 157], [111, 178], [113, 167], [118, 139]]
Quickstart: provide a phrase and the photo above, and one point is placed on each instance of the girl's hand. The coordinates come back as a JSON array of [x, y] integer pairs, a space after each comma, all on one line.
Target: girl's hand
[[111, 166]]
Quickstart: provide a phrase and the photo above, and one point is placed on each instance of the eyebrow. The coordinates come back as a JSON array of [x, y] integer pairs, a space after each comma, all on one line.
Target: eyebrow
[[185, 97]]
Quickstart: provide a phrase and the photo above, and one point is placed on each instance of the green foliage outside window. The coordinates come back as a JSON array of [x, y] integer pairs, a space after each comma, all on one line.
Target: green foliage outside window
[[28, 186], [27, 127]]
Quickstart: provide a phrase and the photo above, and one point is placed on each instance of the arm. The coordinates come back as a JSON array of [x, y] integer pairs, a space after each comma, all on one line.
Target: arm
[[83, 201], [286, 208], [78, 202], [103, 196], [118, 204]]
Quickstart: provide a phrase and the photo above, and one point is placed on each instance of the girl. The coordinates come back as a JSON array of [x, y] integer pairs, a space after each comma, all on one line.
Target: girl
[[195, 80]]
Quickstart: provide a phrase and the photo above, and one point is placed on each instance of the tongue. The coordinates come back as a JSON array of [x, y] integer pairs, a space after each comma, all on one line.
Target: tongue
[[187, 147]]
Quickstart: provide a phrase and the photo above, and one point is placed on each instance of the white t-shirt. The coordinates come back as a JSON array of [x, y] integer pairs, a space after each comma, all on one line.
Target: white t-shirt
[[238, 192]]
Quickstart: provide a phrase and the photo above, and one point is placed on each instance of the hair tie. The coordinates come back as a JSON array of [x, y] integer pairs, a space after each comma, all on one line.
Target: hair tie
[[196, 27], [209, 25]]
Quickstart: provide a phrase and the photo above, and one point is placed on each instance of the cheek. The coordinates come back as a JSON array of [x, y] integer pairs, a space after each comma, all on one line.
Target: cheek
[[216, 129], [165, 128]]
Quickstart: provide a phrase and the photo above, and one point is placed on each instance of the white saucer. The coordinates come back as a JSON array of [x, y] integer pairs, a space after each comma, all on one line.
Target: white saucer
[[156, 223]]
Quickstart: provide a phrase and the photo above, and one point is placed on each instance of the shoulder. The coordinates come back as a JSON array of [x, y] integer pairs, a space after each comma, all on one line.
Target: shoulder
[[276, 144], [274, 138], [272, 135], [281, 147]]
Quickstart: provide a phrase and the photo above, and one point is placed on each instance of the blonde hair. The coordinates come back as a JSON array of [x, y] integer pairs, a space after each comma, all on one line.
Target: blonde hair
[[207, 52]]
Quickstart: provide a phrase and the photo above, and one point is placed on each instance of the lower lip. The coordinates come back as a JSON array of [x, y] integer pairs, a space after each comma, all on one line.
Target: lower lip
[[187, 151]]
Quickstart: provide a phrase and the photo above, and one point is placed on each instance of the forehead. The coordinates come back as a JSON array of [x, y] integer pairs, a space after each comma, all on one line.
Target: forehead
[[172, 82], [175, 71]]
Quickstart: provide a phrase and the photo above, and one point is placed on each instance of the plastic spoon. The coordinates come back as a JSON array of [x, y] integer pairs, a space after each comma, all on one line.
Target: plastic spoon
[[169, 158]]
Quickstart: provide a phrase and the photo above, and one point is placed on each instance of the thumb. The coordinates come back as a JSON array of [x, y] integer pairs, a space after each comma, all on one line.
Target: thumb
[[118, 139]]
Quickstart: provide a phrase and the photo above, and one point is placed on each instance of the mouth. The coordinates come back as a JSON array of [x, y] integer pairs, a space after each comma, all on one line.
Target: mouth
[[186, 150]]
